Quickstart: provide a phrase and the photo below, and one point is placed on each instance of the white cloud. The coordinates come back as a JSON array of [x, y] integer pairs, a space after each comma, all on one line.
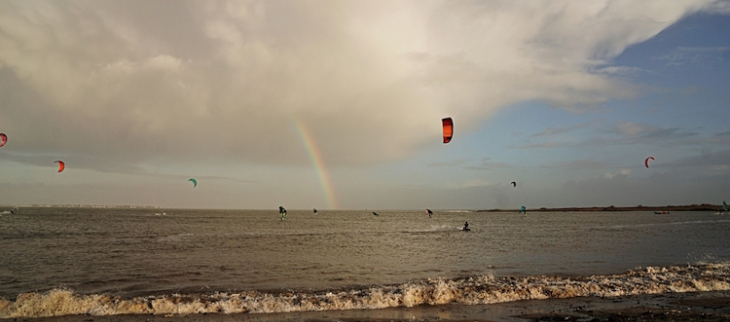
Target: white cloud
[[622, 172], [693, 55], [228, 81], [633, 129], [468, 184]]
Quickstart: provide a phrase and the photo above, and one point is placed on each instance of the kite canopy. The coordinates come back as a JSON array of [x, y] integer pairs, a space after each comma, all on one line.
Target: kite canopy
[[195, 182], [514, 184], [646, 161], [448, 127], [61, 165], [4, 139]]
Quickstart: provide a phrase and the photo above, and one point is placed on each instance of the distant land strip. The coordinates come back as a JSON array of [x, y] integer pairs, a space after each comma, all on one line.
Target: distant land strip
[[79, 206], [695, 207]]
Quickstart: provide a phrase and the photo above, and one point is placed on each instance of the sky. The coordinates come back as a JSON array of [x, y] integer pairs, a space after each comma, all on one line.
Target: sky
[[338, 104]]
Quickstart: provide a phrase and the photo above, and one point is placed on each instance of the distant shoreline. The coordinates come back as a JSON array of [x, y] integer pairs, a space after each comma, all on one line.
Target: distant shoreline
[[81, 206], [701, 207], [694, 207]]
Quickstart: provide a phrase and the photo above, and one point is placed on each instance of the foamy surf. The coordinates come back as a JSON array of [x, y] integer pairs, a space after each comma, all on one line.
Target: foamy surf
[[471, 290]]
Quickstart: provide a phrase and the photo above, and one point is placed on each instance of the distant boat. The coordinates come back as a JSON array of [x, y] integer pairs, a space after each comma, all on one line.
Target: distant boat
[[661, 212]]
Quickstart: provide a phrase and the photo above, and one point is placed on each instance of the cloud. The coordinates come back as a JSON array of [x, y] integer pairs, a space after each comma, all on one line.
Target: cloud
[[581, 164], [560, 130], [621, 70], [626, 133], [448, 164], [468, 184], [543, 145], [485, 164], [632, 129], [694, 55], [488, 165], [139, 82], [716, 162], [621, 173], [637, 133]]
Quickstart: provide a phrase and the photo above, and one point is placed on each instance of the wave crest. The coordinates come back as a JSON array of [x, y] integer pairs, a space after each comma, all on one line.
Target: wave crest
[[471, 290]]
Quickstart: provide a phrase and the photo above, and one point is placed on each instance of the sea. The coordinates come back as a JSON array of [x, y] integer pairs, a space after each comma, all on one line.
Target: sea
[[107, 261]]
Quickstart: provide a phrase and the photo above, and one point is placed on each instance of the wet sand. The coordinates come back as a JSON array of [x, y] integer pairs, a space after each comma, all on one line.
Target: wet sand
[[703, 306]]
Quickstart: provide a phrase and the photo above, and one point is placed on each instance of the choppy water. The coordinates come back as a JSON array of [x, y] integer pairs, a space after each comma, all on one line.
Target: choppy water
[[113, 261]]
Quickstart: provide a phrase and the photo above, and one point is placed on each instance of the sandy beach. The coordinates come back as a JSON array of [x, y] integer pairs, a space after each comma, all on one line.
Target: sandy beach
[[702, 306]]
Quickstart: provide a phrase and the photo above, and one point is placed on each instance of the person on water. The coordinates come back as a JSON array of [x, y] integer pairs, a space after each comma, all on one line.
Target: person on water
[[282, 211], [466, 226]]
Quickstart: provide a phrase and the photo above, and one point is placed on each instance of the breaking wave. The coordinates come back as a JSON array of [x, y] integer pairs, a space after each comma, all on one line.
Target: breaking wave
[[471, 290]]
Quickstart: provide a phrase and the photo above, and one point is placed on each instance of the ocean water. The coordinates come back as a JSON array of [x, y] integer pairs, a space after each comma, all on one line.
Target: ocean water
[[56, 261]]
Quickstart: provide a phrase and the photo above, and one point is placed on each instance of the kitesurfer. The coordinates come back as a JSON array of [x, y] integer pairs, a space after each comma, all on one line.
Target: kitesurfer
[[282, 211], [375, 213], [466, 226]]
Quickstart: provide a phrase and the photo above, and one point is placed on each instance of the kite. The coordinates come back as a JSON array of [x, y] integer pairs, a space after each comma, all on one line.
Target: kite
[[195, 182], [514, 184], [4, 139], [61, 165], [448, 127], [646, 161]]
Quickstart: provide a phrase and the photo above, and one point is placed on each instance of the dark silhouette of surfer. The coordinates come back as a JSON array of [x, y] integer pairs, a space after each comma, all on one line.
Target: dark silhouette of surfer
[[375, 213], [282, 211], [466, 226]]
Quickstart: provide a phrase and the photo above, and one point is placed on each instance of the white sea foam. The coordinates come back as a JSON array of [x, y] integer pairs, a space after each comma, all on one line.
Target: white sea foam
[[472, 290]]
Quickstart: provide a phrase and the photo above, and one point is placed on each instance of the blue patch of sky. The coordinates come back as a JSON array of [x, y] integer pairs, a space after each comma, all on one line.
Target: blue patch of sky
[[688, 65]]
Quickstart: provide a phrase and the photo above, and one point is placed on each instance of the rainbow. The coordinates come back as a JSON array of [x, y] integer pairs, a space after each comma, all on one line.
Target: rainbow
[[316, 155]]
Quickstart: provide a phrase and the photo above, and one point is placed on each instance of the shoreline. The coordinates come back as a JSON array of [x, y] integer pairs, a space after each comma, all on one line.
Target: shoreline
[[694, 306]]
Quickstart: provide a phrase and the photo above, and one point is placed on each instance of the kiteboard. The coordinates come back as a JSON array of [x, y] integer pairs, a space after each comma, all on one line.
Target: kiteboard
[[465, 229]]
